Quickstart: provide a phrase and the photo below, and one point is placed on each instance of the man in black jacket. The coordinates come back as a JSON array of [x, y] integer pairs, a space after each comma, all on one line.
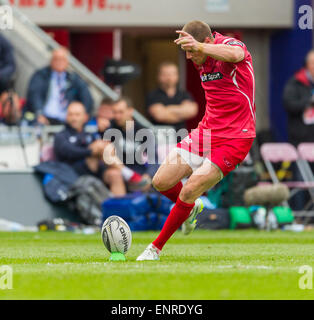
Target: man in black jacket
[[79, 149], [298, 100], [7, 64], [53, 88], [129, 139], [168, 105]]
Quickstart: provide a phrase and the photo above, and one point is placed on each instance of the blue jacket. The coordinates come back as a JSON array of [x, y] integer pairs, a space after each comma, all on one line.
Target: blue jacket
[[7, 62], [37, 94], [58, 179], [71, 146]]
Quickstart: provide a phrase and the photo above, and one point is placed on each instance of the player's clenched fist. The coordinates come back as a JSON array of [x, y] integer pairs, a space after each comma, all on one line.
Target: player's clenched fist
[[187, 42]]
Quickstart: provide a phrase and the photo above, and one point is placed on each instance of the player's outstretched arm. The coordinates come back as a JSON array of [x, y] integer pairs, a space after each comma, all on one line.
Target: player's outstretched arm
[[222, 52]]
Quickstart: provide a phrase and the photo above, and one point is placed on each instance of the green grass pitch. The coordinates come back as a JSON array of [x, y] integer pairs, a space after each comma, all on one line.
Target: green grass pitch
[[205, 265]]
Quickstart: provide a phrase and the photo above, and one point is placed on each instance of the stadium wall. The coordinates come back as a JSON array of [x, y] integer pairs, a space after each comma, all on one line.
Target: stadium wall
[[162, 13]]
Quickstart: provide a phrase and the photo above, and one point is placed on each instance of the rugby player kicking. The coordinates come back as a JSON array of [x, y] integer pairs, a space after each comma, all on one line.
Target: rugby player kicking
[[222, 139]]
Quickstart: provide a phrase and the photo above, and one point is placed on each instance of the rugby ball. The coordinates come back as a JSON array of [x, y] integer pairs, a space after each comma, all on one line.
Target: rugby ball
[[116, 235]]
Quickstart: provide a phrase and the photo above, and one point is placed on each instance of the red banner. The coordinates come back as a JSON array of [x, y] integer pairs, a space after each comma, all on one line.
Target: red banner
[[90, 5]]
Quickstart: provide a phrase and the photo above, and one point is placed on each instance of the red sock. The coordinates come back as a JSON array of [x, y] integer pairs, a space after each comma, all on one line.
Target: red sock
[[177, 216], [174, 192], [135, 177]]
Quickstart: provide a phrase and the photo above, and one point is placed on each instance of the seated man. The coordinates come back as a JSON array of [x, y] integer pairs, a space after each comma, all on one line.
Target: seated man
[[53, 88], [125, 142], [104, 115], [78, 148], [7, 64], [87, 153], [168, 105]]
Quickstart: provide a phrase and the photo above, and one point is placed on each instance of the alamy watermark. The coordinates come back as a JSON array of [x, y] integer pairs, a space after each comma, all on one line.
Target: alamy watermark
[[305, 20], [151, 146], [6, 278], [6, 18], [306, 280]]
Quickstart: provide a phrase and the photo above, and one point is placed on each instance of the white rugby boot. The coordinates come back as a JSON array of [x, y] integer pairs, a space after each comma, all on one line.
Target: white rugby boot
[[190, 223], [150, 253]]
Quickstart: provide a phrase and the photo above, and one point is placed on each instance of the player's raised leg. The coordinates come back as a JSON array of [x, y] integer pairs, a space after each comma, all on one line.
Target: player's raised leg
[[201, 180], [167, 179]]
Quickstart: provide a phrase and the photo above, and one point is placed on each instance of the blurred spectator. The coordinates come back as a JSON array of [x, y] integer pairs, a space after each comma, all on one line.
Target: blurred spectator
[[298, 100], [78, 148], [53, 88], [104, 114], [7, 64], [135, 181], [168, 105], [129, 146], [10, 108], [90, 155]]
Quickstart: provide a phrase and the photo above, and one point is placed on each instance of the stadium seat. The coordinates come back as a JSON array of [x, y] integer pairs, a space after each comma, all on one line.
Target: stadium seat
[[279, 152], [306, 156]]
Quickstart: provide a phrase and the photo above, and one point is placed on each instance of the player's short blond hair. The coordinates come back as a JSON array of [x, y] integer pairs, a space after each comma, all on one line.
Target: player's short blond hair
[[199, 30]]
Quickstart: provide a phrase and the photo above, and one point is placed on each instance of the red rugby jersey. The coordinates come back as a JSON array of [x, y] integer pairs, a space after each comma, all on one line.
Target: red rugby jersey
[[230, 94]]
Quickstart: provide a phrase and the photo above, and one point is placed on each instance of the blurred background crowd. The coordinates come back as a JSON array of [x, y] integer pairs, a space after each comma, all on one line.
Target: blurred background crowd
[[65, 81]]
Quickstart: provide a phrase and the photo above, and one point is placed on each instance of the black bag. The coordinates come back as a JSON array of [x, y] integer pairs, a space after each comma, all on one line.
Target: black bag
[[119, 72], [88, 193], [55, 190], [58, 179], [213, 219], [239, 180]]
